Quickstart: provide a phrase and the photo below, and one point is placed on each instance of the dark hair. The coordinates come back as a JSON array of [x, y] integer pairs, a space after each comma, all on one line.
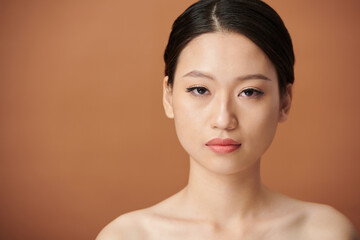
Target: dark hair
[[252, 18]]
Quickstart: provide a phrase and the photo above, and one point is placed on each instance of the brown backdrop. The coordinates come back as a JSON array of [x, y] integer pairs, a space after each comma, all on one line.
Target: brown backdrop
[[83, 136]]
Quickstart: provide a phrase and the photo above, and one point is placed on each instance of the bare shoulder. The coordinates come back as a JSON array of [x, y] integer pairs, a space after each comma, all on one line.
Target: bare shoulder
[[139, 224], [325, 222], [313, 221], [126, 227]]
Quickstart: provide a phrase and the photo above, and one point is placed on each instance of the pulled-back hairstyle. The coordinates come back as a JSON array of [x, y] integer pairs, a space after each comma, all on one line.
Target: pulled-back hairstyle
[[252, 18]]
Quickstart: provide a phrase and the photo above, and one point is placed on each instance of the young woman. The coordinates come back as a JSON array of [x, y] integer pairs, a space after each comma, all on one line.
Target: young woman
[[229, 75]]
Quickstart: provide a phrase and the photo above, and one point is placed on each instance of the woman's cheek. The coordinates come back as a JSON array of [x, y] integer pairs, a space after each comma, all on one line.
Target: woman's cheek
[[266, 125]]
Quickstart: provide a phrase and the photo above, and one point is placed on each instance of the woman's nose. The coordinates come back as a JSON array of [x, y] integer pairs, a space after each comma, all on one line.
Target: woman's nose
[[224, 116]]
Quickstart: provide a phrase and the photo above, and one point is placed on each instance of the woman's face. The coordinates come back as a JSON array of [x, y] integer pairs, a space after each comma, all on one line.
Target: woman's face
[[225, 87]]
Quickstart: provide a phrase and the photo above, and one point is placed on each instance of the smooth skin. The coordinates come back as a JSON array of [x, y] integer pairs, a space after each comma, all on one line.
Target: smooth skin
[[226, 87]]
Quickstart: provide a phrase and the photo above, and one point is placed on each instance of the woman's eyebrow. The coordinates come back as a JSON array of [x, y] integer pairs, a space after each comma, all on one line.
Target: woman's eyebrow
[[254, 76], [199, 74]]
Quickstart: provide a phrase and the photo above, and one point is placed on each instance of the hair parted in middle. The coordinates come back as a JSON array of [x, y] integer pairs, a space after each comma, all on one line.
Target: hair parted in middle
[[252, 18]]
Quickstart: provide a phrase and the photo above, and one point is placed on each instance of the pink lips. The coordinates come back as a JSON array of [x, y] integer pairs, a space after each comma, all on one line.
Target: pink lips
[[220, 145]]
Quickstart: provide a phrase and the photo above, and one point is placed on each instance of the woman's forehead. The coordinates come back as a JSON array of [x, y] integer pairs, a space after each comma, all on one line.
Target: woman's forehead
[[224, 53]]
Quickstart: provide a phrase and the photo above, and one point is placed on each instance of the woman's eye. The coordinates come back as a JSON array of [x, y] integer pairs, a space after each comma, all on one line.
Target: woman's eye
[[198, 90], [251, 92]]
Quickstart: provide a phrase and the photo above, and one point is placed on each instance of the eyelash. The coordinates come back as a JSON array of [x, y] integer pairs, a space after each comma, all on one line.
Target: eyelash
[[256, 91], [191, 90], [253, 90]]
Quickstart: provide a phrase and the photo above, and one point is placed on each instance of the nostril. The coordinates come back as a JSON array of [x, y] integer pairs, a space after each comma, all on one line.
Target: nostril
[[228, 122]]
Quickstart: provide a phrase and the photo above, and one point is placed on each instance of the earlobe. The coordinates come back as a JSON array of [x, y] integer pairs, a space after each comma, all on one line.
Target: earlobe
[[167, 98], [285, 104]]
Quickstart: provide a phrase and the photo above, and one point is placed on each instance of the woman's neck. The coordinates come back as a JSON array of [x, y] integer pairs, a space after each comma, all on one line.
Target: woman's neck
[[224, 199]]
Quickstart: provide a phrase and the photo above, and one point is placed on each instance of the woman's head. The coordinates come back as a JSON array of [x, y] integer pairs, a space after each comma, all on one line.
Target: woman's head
[[225, 72], [252, 18]]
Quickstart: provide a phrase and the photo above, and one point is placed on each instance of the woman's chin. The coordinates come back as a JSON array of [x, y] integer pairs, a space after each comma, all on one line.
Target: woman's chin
[[225, 165]]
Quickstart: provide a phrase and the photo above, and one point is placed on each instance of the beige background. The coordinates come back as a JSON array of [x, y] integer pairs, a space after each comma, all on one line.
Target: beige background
[[83, 136]]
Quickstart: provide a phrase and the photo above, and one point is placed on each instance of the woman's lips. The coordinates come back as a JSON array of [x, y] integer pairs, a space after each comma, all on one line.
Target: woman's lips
[[220, 145]]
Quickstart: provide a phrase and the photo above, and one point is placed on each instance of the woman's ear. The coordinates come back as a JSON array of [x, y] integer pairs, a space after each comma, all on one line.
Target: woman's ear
[[167, 98], [285, 103]]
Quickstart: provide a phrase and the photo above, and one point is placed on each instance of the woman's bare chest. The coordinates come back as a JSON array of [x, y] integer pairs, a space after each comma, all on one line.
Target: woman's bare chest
[[186, 231]]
